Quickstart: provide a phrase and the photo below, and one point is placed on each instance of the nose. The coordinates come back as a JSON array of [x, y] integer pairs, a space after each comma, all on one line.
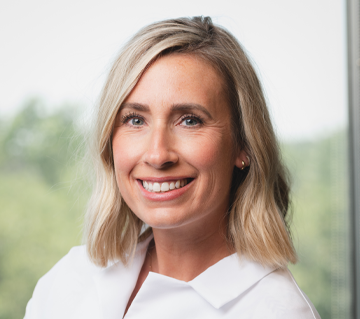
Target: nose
[[160, 153]]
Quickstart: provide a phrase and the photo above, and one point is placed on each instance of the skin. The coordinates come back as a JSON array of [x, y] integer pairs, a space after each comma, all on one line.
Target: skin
[[176, 124]]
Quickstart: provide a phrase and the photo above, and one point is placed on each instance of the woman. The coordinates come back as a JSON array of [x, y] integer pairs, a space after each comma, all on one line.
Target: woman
[[188, 217]]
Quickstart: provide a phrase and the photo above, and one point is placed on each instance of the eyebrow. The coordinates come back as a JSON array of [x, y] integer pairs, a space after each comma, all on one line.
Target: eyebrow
[[175, 107], [135, 106], [189, 107]]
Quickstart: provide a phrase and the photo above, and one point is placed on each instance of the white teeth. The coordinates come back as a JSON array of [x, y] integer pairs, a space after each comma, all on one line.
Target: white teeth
[[156, 187], [163, 187]]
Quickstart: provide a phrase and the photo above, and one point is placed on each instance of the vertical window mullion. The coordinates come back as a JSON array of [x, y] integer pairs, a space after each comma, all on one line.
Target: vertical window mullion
[[353, 17]]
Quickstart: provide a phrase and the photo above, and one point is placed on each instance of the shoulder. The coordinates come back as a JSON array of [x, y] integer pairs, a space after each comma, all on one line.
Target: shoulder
[[72, 272], [76, 288], [75, 262], [279, 296]]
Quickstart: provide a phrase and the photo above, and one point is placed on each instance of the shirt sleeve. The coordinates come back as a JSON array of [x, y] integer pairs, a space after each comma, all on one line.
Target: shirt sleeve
[[281, 298]]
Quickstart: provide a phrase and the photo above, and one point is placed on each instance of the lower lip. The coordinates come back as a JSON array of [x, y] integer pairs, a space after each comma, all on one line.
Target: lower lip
[[169, 195]]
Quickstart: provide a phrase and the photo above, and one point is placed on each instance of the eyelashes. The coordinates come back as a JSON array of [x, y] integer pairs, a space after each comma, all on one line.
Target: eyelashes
[[125, 118], [188, 119]]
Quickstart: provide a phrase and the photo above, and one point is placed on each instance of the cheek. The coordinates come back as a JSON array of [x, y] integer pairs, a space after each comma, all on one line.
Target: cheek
[[212, 152], [126, 154]]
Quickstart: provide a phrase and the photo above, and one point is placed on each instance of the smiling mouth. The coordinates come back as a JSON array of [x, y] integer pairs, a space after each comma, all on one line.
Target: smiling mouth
[[164, 187]]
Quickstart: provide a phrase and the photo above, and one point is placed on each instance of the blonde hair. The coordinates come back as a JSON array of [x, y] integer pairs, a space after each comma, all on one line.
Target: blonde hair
[[257, 215]]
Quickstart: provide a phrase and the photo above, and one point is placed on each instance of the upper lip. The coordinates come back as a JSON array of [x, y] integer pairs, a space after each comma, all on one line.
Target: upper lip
[[163, 179]]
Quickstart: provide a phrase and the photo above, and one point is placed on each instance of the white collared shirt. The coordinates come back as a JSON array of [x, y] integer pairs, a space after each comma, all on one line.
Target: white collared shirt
[[232, 288]]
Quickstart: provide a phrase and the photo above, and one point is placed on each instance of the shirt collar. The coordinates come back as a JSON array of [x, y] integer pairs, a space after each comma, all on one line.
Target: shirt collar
[[218, 285], [228, 279]]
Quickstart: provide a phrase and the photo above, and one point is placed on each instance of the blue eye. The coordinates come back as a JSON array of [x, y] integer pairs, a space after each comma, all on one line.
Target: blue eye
[[136, 121], [133, 119], [190, 122]]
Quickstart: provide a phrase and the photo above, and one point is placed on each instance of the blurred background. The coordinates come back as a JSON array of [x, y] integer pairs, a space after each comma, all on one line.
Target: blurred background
[[54, 58]]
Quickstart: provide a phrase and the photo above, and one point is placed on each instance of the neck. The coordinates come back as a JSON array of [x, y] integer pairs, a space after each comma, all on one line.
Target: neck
[[184, 253]]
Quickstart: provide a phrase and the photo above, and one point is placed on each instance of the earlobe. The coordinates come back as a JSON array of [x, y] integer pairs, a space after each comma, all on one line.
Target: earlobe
[[242, 160]]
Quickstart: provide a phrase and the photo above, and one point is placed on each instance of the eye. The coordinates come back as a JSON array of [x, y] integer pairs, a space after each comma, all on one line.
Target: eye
[[136, 121], [191, 120], [133, 119]]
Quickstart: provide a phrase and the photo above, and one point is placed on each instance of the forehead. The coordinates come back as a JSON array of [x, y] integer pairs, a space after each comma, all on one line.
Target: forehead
[[177, 79]]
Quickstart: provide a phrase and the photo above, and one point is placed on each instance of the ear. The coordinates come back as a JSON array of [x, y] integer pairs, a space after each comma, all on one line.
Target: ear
[[242, 160]]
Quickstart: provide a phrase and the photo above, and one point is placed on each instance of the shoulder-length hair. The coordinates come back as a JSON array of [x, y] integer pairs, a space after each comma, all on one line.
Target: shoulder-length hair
[[257, 214]]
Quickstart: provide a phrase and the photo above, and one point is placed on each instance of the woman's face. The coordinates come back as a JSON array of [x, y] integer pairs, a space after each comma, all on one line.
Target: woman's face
[[172, 145]]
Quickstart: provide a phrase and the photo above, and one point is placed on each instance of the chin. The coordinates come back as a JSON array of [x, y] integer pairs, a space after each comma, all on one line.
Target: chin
[[165, 218]]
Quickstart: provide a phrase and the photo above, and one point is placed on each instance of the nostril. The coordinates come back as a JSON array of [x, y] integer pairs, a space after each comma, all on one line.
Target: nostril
[[163, 165], [167, 164]]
